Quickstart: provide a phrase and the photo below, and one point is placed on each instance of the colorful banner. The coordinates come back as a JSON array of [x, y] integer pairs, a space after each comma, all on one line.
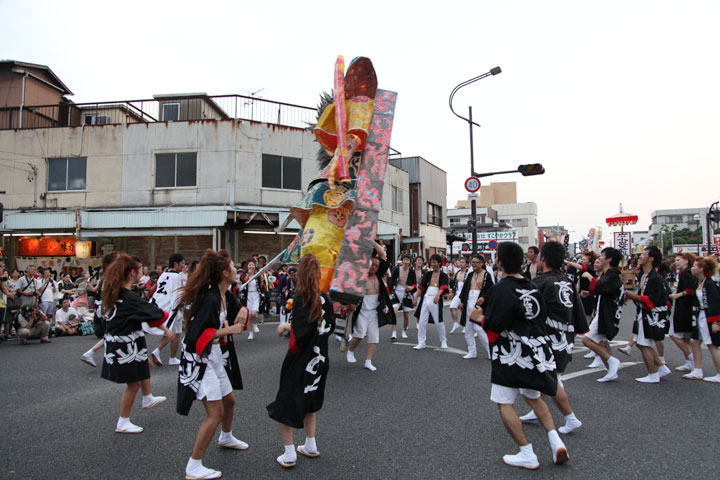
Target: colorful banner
[[623, 242], [58, 265]]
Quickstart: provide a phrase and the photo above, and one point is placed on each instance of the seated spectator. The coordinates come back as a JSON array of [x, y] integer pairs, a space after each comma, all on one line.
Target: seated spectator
[[33, 323], [67, 287], [66, 319]]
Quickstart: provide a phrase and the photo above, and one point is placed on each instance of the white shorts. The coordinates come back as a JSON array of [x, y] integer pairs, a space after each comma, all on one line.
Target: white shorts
[[593, 334], [680, 335], [507, 396], [455, 301], [640, 338], [253, 302], [215, 383], [367, 325], [400, 294], [177, 324], [704, 329]]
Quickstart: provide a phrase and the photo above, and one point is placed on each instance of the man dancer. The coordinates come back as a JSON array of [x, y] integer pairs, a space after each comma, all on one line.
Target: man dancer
[[522, 359], [565, 317], [652, 314], [458, 279], [402, 280], [433, 286], [365, 320], [477, 285], [610, 293], [531, 267], [167, 296]]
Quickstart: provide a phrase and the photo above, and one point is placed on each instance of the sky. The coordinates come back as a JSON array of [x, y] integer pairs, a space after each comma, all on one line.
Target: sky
[[619, 100]]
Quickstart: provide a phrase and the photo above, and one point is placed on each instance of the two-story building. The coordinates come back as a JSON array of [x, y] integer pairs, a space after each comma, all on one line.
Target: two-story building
[[180, 172], [428, 214]]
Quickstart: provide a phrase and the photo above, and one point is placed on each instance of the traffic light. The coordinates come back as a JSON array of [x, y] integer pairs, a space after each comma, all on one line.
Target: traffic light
[[531, 169], [715, 216]]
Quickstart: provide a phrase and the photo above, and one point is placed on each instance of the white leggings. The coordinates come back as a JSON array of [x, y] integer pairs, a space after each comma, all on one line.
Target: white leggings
[[429, 307], [472, 328]]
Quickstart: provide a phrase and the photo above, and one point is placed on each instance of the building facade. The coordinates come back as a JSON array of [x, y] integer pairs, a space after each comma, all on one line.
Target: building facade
[[428, 211], [202, 178]]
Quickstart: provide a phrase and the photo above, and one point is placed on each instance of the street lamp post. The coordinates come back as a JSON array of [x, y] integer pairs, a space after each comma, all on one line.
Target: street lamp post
[[696, 217], [473, 203]]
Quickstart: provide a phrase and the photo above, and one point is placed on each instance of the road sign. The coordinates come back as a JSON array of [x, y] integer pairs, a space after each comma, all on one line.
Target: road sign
[[473, 196], [472, 184], [492, 244]]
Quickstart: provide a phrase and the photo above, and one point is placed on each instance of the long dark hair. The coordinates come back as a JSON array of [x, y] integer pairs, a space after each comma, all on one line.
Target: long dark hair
[[308, 285], [116, 275], [208, 273]]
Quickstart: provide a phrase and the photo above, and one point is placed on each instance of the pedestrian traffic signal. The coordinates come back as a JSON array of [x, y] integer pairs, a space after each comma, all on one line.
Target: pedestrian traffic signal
[[531, 169]]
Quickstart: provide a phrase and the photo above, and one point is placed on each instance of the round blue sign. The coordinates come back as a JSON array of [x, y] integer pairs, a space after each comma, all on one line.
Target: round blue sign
[[492, 244]]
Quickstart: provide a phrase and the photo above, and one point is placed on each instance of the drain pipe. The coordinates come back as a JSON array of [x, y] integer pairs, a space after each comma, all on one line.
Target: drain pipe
[[22, 100]]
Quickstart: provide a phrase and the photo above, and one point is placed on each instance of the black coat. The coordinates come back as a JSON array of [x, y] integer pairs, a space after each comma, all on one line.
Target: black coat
[[682, 317], [306, 365], [197, 344], [386, 312], [126, 354], [443, 284], [611, 299], [652, 307], [395, 275], [565, 314], [521, 352], [486, 286], [710, 306]]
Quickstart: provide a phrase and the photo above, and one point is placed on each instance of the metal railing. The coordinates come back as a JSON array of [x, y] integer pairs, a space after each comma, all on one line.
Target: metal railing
[[184, 108]]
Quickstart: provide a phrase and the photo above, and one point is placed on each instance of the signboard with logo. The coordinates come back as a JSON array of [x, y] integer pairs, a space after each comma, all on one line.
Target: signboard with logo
[[623, 242]]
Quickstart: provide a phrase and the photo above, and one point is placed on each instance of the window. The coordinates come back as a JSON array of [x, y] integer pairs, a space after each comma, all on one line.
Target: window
[[171, 112], [434, 214], [397, 200], [281, 172], [66, 174], [175, 170]]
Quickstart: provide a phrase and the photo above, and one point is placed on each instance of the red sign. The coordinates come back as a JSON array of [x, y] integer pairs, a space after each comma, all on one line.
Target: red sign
[[47, 246], [472, 184]]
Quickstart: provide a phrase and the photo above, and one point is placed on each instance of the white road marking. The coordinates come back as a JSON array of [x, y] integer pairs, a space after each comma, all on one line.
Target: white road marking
[[588, 371]]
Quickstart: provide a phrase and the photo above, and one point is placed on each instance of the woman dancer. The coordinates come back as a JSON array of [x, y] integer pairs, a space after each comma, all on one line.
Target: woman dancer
[[126, 355], [707, 318], [208, 304], [458, 281], [681, 328], [99, 323], [304, 371], [251, 295]]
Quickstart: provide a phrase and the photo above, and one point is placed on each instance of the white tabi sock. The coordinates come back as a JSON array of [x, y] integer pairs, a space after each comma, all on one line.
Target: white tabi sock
[[691, 358], [290, 456], [662, 359], [225, 436], [310, 445], [527, 449]]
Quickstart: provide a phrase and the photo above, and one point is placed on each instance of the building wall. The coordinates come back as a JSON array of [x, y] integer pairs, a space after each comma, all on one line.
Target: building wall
[[527, 213], [679, 218], [121, 163], [396, 177], [498, 192]]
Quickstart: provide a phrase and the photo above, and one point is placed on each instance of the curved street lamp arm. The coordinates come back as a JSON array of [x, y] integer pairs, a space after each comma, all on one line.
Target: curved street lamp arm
[[493, 71]]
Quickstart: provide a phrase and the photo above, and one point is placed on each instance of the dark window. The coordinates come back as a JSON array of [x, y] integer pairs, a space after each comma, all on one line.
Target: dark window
[[281, 172], [175, 170], [66, 174], [171, 112], [434, 214]]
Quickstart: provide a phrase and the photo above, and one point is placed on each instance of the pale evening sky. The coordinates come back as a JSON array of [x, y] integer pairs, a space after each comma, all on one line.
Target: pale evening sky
[[619, 100]]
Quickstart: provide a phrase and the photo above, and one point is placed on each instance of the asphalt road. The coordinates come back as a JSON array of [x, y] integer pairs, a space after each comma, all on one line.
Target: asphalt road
[[423, 414]]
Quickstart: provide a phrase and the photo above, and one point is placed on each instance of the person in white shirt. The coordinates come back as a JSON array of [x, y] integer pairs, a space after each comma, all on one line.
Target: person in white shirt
[[27, 286], [66, 318], [167, 297], [47, 288]]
